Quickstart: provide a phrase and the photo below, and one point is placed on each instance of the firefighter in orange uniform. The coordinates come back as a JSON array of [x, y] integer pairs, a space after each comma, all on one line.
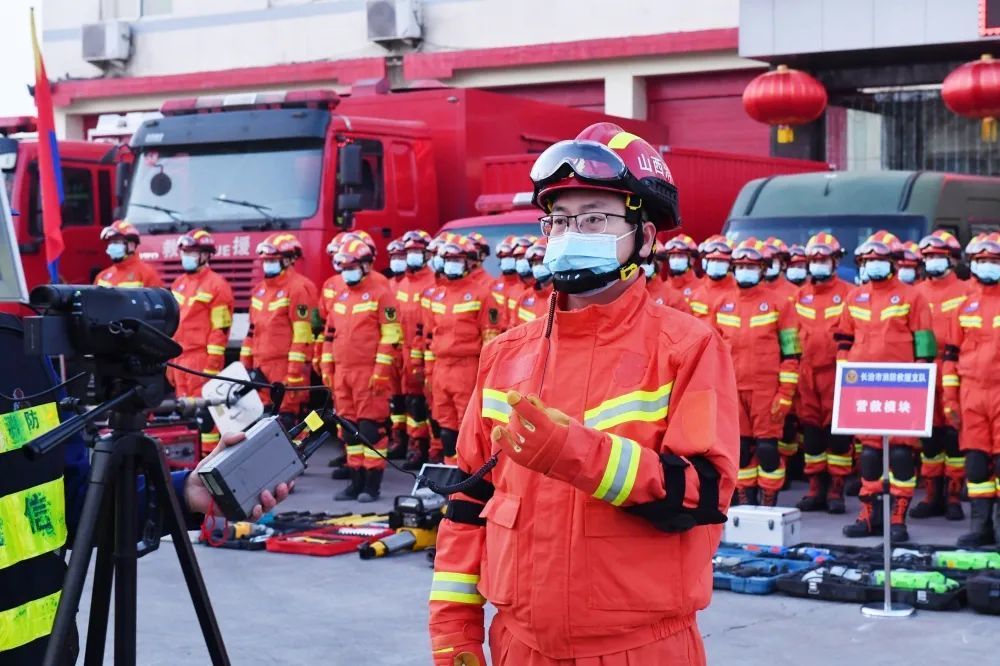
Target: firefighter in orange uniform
[[716, 255], [417, 284], [798, 265], [885, 321], [820, 305], [909, 263], [127, 269], [761, 329], [534, 302], [774, 276], [279, 342], [636, 467], [509, 281], [660, 291], [397, 261], [523, 268], [361, 355], [398, 438], [482, 251], [972, 390], [942, 468], [460, 317], [680, 253]]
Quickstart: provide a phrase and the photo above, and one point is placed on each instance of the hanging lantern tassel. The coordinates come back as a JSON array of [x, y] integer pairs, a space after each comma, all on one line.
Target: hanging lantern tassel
[[786, 134], [988, 130]]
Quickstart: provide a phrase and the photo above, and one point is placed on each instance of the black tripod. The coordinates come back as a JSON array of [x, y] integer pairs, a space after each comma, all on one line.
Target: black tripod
[[109, 522]]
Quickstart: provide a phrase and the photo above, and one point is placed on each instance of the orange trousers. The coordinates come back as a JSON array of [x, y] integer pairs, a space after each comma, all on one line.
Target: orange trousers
[[755, 414], [453, 383], [276, 370], [355, 401], [683, 648], [187, 385]]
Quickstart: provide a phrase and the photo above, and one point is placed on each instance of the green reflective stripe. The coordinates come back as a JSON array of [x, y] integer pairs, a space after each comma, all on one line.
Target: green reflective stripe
[[22, 624], [456, 587], [789, 339], [643, 406], [20, 427], [839, 461], [620, 472], [899, 483], [32, 522], [815, 459], [495, 406], [775, 475], [924, 344], [955, 462], [932, 460], [984, 489]]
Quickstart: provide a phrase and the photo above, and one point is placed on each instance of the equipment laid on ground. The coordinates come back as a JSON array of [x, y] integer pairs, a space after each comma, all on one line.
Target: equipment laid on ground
[[763, 525], [984, 593], [241, 535], [329, 541]]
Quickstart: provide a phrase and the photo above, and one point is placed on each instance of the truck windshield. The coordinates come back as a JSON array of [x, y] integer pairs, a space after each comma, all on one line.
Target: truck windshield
[[203, 183], [850, 230]]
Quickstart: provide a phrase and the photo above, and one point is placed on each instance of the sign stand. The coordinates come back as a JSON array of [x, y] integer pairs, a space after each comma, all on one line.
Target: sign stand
[[884, 399], [888, 608]]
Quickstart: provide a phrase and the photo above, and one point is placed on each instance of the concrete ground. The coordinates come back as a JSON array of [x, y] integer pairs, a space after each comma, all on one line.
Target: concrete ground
[[342, 611]]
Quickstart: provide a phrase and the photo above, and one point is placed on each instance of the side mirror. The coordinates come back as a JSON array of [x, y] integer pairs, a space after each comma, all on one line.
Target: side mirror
[[349, 202], [349, 166]]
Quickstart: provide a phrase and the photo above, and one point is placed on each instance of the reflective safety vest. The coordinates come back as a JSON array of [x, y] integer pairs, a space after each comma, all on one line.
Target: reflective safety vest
[[32, 529]]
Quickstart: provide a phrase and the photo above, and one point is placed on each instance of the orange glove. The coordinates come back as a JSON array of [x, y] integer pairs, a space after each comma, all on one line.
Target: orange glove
[[780, 408], [379, 383], [536, 434], [462, 655]]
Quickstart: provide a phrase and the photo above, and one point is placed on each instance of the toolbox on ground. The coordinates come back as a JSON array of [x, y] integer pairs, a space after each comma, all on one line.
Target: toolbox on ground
[[763, 525], [859, 584], [328, 541], [983, 591], [754, 575]]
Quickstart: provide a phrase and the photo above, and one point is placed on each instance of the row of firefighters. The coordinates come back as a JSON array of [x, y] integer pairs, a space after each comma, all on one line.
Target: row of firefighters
[[396, 350]]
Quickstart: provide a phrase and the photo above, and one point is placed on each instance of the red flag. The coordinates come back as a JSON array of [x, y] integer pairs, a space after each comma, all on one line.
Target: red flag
[[49, 169]]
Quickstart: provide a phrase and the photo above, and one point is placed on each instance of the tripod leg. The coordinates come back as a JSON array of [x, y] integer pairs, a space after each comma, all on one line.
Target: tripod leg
[[174, 520], [65, 620], [100, 598], [126, 531]]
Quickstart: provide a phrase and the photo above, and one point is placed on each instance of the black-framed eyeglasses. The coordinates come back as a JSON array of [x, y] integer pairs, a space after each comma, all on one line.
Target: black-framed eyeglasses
[[585, 223]]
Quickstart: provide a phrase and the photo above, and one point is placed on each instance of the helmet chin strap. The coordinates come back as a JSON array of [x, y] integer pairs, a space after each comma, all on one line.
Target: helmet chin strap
[[578, 282]]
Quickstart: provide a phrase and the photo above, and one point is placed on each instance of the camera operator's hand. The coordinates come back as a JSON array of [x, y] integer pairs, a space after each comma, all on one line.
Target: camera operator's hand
[[198, 499]]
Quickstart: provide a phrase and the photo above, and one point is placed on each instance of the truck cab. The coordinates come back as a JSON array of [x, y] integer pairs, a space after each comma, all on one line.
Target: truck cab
[[852, 205], [88, 198]]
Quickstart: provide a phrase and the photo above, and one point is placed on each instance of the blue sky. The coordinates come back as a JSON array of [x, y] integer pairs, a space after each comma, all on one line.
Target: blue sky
[[16, 70]]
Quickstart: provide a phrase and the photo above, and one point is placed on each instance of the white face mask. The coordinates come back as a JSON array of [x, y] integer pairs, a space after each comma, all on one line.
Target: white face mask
[[746, 276], [397, 265], [649, 270], [986, 272], [437, 263], [774, 270], [878, 269], [271, 268], [352, 275], [936, 265], [414, 259], [796, 274], [523, 267], [716, 269], [907, 275], [704, 265], [189, 262], [540, 272], [116, 251], [454, 268], [508, 264], [678, 263], [573, 251], [820, 270]]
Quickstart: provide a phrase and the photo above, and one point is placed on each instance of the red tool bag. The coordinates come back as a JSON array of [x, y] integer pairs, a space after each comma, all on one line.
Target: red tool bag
[[328, 541]]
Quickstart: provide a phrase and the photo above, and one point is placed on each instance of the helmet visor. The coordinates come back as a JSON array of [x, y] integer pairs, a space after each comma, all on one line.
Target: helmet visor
[[987, 246], [716, 246], [873, 247], [748, 254], [588, 160]]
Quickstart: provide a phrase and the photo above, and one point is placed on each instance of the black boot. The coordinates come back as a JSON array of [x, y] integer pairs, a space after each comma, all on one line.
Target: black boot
[[745, 497], [417, 455], [933, 502], [341, 473], [897, 527], [398, 443], [835, 496], [852, 485], [981, 524], [768, 497], [953, 500], [354, 488], [815, 498], [338, 461], [869, 520], [373, 486]]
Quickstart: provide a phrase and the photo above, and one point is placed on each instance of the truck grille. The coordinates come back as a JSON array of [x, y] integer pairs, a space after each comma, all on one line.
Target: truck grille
[[239, 271]]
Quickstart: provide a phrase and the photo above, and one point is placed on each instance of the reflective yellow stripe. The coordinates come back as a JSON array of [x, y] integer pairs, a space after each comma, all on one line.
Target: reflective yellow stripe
[[416, 354], [784, 401], [958, 463], [984, 489], [511, 303], [499, 299], [950, 381], [298, 357], [329, 293], [391, 334], [210, 437], [620, 472], [210, 371], [256, 303], [764, 319], [221, 316], [278, 304], [932, 460], [863, 314], [833, 311], [203, 297], [470, 306], [326, 357], [20, 427], [369, 306], [805, 311], [816, 459], [29, 621], [374, 453], [295, 379], [723, 319], [429, 355], [635, 406], [996, 321], [525, 315], [413, 423], [383, 359], [397, 418], [893, 481], [130, 285], [216, 350], [246, 351], [698, 307], [179, 297], [970, 321], [456, 587], [776, 475], [438, 308], [495, 405], [402, 296], [103, 283], [302, 332], [32, 522], [952, 303], [839, 461], [355, 449], [901, 310], [788, 448], [747, 474], [788, 377]]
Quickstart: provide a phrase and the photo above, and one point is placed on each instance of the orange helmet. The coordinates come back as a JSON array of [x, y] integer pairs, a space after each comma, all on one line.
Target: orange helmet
[[120, 230], [910, 254], [353, 251], [282, 244], [984, 246], [716, 247], [880, 245], [482, 245], [823, 246], [198, 240], [680, 244], [940, 242], [364, 237], [537, 249], [751, 251], [606, 157], [395, 247], [505, 248], [521, 245], [418, 239], [335, 243], [797, 254], [441, 239], [458, 247], [777, 246]]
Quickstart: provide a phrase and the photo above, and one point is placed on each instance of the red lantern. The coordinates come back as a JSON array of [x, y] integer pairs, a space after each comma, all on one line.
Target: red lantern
[[973, 90], [784, 97]]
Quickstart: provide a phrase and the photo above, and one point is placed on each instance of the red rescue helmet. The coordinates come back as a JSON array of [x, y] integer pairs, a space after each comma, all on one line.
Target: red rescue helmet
[[120, 230], [395, 248], [797, 255], [364, 237], [880, 245], [505, 248], [335, 243], [521, 245], [778, 247], [940, 242], [458, 247], [353, 252], [716, 247], [910, 254], [537, 250], [984, 246], [280, 245], [482, 245], [751, 251], [417, 239], [197, 241], [680, 244], [606, 157], [824, 246]]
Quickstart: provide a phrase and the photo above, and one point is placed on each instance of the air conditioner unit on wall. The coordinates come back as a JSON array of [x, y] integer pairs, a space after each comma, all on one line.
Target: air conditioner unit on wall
[[107, 42], [391, 21]]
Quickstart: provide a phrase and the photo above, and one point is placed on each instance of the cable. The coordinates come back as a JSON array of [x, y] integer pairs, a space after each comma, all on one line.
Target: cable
[[251, 384], [46, 391]]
